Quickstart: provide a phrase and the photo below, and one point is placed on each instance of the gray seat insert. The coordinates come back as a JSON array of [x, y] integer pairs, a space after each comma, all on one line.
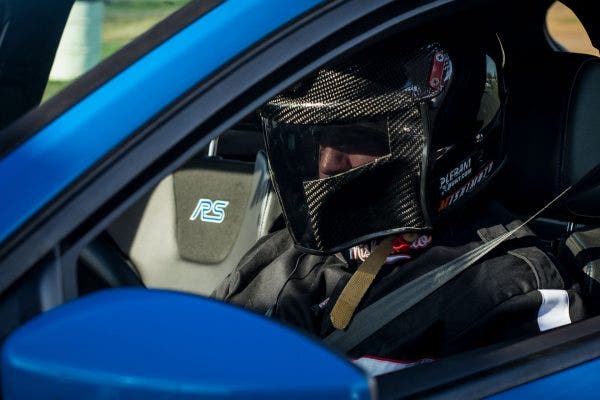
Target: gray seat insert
[[180, 237]]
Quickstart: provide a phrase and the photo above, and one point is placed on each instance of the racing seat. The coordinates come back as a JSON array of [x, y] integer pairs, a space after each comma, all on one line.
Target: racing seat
[[553, 139], [194, 227]]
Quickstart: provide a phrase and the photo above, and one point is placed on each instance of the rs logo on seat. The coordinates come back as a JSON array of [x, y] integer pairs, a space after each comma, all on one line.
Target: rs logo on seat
[[210, 211]]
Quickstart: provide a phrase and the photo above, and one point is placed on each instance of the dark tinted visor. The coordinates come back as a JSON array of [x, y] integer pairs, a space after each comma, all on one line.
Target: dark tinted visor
[[303, 153], [308, 152]]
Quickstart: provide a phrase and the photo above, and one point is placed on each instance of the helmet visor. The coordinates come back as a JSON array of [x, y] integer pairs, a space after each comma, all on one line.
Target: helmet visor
[[301, 154]]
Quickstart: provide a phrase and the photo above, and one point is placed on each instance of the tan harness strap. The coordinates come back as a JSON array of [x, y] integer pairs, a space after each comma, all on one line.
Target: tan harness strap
[[359, 283]]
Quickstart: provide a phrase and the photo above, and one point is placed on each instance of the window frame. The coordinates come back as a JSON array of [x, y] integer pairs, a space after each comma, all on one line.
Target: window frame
[[88, 207]]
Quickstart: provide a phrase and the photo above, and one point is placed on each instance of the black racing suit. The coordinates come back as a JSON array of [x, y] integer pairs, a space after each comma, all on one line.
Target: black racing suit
[[517, 290]]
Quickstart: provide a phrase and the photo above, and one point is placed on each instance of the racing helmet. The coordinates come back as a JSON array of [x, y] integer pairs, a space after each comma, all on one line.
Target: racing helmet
[[387, 141]]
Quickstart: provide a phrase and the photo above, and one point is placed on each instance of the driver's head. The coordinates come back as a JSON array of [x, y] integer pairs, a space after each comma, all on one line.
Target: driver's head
[[387, 141], [341, 150]]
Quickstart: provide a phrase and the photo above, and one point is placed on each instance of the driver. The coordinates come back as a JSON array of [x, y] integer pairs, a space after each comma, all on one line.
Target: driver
[[382, 157]]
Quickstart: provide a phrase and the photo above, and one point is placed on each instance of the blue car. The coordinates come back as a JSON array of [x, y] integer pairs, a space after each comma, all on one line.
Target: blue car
[[104, 282]]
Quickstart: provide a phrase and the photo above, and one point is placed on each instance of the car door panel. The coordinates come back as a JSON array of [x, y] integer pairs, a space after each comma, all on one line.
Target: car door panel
[[126, 168]]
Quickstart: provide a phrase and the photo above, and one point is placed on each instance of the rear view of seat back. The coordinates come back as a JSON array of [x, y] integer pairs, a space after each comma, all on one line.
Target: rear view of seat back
[[194, 227]]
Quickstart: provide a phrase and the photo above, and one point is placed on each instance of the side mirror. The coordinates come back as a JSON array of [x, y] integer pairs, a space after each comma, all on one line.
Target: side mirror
[[153, 344]]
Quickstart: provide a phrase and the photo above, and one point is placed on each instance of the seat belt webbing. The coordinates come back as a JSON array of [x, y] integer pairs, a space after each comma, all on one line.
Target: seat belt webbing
[[373, 317], [346, 303]]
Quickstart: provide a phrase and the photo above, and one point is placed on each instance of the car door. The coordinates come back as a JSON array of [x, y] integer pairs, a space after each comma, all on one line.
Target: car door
[[75, 163]]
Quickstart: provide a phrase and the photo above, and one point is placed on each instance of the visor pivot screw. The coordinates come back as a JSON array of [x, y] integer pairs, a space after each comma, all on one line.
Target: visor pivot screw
[[434, 82], [439, 57]]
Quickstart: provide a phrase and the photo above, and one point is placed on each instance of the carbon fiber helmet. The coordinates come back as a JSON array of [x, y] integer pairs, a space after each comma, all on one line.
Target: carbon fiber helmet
[[416, 132]]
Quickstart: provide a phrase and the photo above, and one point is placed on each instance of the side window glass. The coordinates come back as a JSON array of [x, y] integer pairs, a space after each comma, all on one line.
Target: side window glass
[[98, 28], [567, 30]]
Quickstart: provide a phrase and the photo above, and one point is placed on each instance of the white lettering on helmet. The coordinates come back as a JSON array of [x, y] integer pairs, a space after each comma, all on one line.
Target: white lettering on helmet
[[467, 187], [455, 176]]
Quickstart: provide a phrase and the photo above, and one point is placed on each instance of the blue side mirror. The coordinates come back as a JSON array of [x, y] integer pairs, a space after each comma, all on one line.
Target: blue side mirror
[[152, 344]]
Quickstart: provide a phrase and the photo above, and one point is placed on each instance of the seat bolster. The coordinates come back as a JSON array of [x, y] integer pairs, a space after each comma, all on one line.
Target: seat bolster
[[582, 139], [552, 130]]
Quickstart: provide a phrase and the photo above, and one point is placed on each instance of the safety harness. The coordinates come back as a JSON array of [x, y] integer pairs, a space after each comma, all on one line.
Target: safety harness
[[376, 315]]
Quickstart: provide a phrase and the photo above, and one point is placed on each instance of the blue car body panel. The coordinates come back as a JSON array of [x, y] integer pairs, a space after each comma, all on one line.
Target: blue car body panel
[[43, 166], [153, 344]]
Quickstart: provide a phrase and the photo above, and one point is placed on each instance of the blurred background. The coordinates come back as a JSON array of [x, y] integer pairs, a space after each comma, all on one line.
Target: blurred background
[[566, 29], [98, 28]]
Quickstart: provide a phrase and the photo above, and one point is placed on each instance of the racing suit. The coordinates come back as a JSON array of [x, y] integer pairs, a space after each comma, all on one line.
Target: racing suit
[[517, 290]]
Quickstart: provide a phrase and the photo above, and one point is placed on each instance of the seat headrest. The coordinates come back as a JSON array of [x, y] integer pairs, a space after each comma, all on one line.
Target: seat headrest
[[553, 132], [211, 197]]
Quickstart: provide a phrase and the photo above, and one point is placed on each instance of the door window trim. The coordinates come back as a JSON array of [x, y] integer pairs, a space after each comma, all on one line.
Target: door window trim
[[217, 104]]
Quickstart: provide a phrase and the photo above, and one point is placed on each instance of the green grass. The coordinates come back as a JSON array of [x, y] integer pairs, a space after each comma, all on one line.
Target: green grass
[[53, 87], [124, 21]]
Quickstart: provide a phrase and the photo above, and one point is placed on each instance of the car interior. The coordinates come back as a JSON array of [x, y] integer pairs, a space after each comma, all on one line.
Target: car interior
[[552, 107], [155, 240], [552, 100], [558, 121]]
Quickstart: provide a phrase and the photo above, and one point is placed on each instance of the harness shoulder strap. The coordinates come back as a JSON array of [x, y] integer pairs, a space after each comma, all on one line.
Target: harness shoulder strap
[[373, 317], [534, 257]]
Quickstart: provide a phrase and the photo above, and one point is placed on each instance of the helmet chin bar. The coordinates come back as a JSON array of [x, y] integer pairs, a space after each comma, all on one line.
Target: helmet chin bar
[[374, 197]]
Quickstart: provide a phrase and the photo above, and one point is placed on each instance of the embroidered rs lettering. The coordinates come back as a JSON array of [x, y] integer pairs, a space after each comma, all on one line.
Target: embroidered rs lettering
[[210, 211]]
